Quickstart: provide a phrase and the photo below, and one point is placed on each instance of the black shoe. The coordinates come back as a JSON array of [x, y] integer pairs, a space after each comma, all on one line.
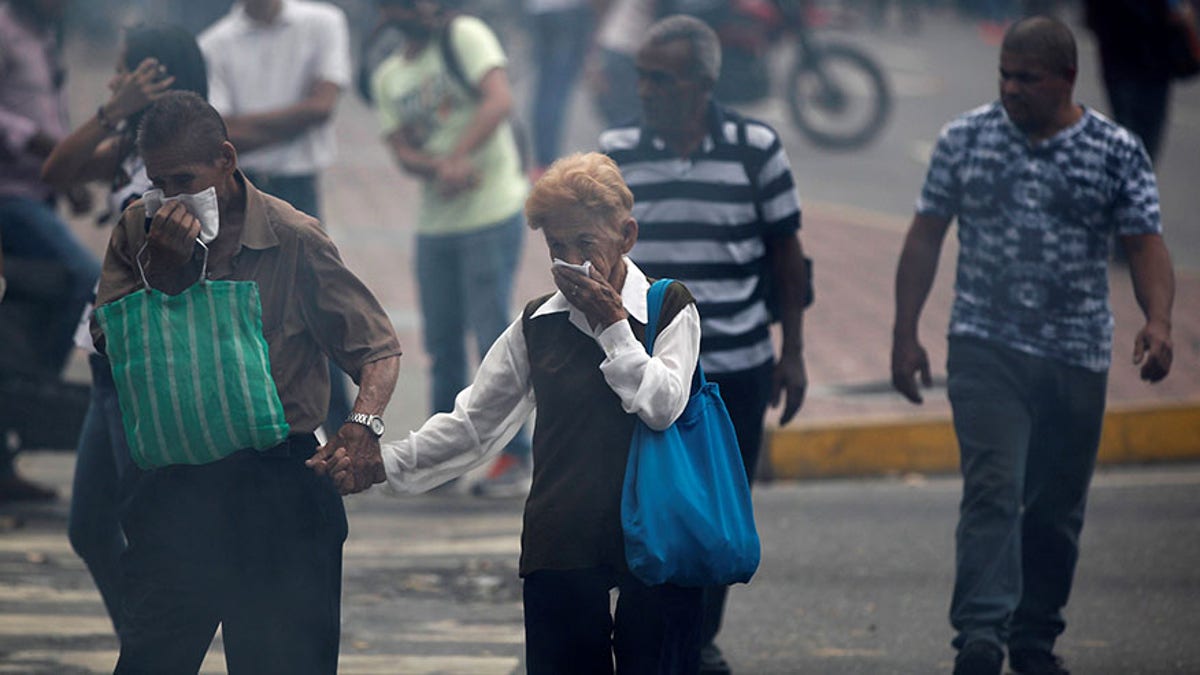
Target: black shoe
[[712, 662], [979, 657], [1036, 662]]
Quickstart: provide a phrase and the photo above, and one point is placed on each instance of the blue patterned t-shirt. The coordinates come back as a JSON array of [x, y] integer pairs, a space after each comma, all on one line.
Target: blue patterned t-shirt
[[1034, 224]]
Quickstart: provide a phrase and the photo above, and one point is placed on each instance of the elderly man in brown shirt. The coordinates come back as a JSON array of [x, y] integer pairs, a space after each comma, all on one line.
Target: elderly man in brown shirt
[[252, 541]]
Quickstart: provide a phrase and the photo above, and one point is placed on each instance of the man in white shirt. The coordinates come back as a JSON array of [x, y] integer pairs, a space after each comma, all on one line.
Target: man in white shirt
[[276, 69]]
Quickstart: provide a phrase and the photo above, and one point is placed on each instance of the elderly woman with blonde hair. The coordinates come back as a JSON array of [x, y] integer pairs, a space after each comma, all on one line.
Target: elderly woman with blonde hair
[[576, 357]]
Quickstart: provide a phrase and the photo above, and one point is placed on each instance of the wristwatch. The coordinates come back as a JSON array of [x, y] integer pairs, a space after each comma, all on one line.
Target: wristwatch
[[372, 422]]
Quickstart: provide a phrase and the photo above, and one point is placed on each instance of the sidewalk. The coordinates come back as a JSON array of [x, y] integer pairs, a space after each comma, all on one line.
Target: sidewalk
[[852, 422]]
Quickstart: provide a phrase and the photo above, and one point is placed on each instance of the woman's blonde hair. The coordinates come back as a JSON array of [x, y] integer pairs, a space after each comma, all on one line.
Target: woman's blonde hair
[[582, 184]]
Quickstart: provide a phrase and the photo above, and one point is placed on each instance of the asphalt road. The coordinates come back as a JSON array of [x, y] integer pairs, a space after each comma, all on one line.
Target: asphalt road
[[855, 578]]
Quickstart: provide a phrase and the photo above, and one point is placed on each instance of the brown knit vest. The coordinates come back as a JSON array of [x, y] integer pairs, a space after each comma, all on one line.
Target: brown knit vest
[[580, 444]]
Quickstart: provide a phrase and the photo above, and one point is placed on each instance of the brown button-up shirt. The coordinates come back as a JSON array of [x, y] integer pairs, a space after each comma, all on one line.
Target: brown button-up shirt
[[312, 305]]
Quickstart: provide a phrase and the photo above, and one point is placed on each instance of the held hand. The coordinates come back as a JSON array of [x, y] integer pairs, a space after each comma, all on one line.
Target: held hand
[[1152, 349], [791, 377], [365, 463], [172, 236], [456, 175], [592, 295], [909, 359], [336, 465], [134, 91]]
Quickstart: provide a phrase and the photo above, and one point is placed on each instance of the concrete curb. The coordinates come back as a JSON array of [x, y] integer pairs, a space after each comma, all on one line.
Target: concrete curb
[[1132, 434]]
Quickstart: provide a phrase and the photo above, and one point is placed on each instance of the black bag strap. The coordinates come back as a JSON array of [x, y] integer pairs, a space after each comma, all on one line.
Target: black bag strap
[[450, 58], [455, 68]]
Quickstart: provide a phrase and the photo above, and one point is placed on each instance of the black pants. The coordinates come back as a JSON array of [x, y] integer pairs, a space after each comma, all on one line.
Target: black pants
[[1140, 105], [252, 542], [746, 394], [569, 628]]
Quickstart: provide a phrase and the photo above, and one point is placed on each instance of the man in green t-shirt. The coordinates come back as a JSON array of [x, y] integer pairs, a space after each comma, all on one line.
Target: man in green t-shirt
[[443, 101]]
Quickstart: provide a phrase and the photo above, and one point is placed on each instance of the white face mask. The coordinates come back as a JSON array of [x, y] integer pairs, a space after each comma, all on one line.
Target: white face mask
[[202, 205]]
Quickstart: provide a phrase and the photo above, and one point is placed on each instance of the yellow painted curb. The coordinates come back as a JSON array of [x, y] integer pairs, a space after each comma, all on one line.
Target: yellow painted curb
[[1132, 434]]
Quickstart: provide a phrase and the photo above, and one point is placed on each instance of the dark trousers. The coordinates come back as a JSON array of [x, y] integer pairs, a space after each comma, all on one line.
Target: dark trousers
[[569, 627], [103, 474], [252, 542], [1140, 105], [1028, 430], [300, 190], [746, 394]]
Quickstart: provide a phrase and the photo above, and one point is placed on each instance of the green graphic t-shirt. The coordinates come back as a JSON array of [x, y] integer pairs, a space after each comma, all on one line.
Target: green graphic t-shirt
[[423, 100]]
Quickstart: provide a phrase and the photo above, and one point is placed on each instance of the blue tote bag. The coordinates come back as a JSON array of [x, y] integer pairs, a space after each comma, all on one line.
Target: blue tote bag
[[685, 505]]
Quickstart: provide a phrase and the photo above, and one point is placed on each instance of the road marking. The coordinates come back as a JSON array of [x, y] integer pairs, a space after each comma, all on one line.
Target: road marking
[[450, 630], [840, 653], [49, 544], [58, 625], [9, 594], [103, 660], [371, 547]]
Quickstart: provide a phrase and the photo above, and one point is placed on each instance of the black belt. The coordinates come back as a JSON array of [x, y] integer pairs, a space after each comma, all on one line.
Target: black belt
[[296, 446]]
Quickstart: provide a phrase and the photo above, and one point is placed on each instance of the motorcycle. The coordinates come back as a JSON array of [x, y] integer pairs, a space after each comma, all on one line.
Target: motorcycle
[[837, 94]]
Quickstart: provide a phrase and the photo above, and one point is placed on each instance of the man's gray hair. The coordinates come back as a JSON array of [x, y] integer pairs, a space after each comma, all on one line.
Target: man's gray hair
[[706, 48]]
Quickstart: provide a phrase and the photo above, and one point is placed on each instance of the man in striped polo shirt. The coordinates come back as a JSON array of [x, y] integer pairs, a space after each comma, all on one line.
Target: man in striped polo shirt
[[717, 208]]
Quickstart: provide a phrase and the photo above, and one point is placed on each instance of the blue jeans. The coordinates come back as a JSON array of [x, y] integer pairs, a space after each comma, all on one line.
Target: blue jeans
[[1028, 431], [103, 470], [31, 229], [465, 284], [301, 191], [560, 42]]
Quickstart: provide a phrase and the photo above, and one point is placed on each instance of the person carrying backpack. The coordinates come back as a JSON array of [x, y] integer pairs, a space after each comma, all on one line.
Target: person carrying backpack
[[443, 101]]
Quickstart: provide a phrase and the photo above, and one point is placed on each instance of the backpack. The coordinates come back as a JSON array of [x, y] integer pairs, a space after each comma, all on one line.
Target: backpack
[[384, 39], [454, 67]]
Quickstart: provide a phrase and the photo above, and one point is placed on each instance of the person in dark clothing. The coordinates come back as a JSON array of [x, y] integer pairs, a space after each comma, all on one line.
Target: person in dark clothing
[[1135, 64]]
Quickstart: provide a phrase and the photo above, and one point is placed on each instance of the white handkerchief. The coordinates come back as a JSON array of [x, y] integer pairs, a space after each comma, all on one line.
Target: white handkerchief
[[203, 205], [585, 268]]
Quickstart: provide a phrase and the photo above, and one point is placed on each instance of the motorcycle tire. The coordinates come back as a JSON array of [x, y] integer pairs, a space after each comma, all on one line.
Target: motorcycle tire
[[841, 79]]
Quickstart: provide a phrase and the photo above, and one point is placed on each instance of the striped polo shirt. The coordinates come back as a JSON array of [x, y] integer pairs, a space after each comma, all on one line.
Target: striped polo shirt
[[705, 219]]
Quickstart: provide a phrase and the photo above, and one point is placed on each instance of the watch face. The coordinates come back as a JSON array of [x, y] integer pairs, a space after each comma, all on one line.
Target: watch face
[[377, 426]]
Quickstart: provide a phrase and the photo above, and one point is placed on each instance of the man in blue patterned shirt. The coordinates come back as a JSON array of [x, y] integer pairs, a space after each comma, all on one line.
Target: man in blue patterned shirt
[[1038, 184]]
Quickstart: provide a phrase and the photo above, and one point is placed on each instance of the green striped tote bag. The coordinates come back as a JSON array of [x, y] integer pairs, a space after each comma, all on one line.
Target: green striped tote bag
[[192, 372]]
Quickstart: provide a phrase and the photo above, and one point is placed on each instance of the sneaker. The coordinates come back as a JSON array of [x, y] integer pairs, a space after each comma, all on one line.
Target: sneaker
[[508, 476], [979, 657], [712, 662], [1036, 662]]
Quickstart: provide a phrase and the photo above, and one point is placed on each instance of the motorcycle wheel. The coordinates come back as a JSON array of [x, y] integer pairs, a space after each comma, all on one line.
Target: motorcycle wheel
[[840, 99]]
